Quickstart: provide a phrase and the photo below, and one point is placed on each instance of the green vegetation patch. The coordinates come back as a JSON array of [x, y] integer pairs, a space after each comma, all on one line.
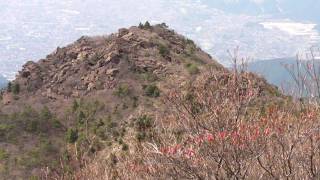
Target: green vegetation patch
[[150, 77], [71, 135], [192, 68], [3, 154], [163, 50], [151, 90], [143, 125], [123, 90], [146, 25], [14, 88]]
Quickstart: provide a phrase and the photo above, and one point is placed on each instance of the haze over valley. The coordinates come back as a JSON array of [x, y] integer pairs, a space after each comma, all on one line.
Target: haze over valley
[[30, 29]]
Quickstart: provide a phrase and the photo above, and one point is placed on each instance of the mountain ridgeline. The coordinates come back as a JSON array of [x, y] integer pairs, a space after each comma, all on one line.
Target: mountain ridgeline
[[103, 98], [97, 64]]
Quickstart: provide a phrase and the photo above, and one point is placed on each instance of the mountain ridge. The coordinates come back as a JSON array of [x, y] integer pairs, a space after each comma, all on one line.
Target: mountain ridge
[[103, 97], [97, 59]]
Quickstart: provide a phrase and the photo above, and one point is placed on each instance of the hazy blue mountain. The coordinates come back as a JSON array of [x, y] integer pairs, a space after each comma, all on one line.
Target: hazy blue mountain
[[274, 70], [3, 82]]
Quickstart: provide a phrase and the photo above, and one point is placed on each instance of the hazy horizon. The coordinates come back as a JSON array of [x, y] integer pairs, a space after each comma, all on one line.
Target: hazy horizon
[[31, 29]]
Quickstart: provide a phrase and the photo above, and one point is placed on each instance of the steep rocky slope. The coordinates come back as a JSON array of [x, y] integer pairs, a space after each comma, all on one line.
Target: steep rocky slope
[[98, 64], [101, 94]]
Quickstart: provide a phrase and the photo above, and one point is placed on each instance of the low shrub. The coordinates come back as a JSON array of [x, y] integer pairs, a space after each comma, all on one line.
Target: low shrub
[[125, 147], [150, 77], [122, 90], [143, 122], [72, 136], [3, 154], [192, 68], [141, 136], [163, 50], [16, 88], [151, 90]]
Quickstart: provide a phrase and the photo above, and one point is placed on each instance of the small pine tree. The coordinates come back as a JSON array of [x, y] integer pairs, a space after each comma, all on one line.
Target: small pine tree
[[9, 87], [147, 25], [15, 88], [141, 25]]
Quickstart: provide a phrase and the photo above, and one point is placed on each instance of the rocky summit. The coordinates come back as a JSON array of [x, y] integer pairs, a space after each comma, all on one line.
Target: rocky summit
[[94, 64]]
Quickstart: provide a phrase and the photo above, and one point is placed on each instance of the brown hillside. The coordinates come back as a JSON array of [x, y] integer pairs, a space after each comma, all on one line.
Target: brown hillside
[[100, 96]]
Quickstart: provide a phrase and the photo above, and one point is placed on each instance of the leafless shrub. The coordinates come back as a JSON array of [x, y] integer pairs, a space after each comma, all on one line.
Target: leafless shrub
[[225, 126], [306, 75]]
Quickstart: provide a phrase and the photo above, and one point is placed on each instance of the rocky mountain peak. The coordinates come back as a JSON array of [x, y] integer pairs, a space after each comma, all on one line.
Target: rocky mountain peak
[[99, 63]]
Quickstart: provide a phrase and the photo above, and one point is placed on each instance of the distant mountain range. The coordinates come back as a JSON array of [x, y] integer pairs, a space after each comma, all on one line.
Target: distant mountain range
[[275, 72]]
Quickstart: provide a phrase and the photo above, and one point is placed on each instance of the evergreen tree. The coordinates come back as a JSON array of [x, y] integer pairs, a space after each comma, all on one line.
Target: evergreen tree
[[9, 87], [141, 25], [147, 25], [15, 88]]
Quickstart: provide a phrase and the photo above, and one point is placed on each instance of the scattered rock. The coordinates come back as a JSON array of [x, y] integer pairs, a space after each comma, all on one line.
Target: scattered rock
[[112, 72], [50, 94], [122, 32], [91, 86], [112, 56], [82, 56]]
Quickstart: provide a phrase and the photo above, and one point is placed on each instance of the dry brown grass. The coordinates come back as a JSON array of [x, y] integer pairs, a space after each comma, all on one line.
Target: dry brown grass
[[226, 126]]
